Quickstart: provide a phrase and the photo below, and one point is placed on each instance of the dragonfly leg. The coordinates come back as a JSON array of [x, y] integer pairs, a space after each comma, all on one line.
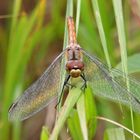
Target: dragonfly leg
[[85, 82], [65, 84], [68, 84]]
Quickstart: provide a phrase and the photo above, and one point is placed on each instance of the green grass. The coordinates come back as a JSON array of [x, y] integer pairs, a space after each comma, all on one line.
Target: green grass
[[122, 42], [103, 29]]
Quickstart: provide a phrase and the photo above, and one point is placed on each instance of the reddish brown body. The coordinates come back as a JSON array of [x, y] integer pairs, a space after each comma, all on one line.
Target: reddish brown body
[[74, 65]]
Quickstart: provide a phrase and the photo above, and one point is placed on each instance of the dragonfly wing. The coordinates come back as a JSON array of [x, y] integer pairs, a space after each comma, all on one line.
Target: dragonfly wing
[[134, 85], [40, 93], [104, 84]]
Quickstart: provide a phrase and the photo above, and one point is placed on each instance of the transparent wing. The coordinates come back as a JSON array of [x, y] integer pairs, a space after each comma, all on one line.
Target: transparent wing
[[111, 84], [40, 93]]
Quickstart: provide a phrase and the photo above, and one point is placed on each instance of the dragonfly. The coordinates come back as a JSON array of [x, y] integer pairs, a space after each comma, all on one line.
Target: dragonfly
[[106, 83]]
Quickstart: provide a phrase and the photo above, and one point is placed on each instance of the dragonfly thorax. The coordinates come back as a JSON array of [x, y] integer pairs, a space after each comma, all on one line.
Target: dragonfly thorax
[[75, 68]]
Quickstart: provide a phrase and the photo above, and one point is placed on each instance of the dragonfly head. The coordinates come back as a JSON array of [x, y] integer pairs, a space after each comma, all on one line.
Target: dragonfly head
[[75, 68]]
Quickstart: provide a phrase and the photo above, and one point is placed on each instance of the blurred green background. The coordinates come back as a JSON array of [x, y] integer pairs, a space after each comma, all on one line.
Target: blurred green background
[[32, 35]]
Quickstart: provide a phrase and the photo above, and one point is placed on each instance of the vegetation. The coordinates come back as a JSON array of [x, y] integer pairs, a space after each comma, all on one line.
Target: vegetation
[[30, 40]]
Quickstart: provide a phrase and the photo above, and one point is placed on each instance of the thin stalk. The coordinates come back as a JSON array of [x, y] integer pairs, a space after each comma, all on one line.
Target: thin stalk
[[117, 4], [78, 15], [118, 124], [95, 6]]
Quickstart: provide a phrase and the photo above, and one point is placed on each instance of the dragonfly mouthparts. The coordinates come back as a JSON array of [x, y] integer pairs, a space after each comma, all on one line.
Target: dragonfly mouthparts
[[75, 73]]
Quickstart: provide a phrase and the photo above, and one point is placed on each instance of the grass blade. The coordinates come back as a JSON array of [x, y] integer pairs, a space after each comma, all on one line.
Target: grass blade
[[82, 116], [122, 41], [114, 134], [74, 125], [69, 12], [72, 98], [44, 134], [78, 15], [95, 6], [16, 64], [90, 109]]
